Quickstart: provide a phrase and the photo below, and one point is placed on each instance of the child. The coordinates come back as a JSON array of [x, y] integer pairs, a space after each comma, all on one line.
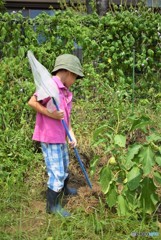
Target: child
[[50, 132]]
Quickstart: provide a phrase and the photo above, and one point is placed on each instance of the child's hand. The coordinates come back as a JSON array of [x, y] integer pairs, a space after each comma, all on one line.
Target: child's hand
[[73, 143], [59, 115]]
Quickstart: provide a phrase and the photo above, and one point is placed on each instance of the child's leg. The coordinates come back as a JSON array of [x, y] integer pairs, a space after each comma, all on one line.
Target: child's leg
[[54, 159], [65, 159], [53, 154], [67, 190]]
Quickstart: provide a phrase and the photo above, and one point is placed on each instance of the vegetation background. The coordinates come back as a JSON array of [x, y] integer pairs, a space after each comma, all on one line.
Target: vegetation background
[[116, 118]]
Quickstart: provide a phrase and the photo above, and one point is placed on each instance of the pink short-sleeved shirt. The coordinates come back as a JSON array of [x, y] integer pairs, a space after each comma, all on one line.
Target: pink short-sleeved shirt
[[51, 130]]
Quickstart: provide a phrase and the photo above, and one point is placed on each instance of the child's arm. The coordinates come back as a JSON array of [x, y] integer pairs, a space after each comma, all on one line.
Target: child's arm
[[74, 141], [43, 110]]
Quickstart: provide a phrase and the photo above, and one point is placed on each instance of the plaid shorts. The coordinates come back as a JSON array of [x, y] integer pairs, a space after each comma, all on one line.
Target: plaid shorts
[[57, 161]]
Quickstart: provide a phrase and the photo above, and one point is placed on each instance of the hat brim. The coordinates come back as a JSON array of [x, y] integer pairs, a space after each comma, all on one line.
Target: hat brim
[[78, 72]]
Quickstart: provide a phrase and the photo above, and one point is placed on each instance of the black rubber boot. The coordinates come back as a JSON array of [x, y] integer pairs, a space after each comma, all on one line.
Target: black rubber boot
[[67, 190], [53, 203]]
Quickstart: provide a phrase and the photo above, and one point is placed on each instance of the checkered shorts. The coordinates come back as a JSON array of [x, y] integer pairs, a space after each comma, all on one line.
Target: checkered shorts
[[57, 161]]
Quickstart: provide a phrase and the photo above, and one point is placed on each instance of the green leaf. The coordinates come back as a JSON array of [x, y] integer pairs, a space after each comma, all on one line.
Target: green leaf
[[140, 123], [150, 52], [98, 142], [129, 164], [131, 154], [120, 140], [153, 138], [123, 209], [148, 198], [99, 131], [132, 199], [132, 151], [111, 197], [106, 178], [157, 177], [133, 178], [147, 159], [158, 160], [93, 165], [21, 52]]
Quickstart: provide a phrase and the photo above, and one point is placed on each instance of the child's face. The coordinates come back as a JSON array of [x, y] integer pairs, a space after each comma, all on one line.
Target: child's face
[[71, 77]]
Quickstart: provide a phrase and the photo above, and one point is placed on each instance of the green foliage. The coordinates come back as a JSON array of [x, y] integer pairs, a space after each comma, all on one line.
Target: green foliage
[[104, 96], [17, 152], [2, 4], [131, 176], [107, 43]]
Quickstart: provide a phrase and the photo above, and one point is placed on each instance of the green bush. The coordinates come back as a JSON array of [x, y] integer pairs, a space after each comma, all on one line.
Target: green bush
[[130, 177]]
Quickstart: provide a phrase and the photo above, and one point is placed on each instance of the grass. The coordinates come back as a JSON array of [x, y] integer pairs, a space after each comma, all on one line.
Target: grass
[[23, 217]]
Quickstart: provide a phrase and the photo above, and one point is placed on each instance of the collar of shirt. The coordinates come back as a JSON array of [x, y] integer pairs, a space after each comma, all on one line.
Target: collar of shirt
[[67, 94], [59, 83]]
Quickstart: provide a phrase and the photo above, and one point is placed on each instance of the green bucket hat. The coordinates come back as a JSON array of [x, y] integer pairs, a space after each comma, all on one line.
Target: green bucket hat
[[68, 62]]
